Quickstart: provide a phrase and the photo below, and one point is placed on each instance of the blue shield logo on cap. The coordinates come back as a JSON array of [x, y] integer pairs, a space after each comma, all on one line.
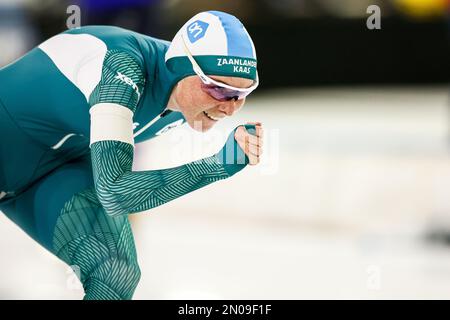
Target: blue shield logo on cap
[[196, 30]]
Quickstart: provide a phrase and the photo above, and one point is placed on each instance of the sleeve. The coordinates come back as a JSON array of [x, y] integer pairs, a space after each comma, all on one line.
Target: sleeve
[[119, 189], [115, 98]]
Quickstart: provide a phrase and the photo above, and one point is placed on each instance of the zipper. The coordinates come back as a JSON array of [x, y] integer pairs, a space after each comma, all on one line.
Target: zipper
[[162, 115]]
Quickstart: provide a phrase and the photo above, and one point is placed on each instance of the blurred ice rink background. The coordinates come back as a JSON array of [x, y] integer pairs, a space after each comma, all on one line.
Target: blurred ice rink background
[[341, 212], [351, 200]]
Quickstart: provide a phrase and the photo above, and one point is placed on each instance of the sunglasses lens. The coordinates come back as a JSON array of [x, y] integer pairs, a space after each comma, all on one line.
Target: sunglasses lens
[[223, 94]]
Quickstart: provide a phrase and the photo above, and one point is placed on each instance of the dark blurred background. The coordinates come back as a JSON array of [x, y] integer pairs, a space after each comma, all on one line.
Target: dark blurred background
[[298, 42]]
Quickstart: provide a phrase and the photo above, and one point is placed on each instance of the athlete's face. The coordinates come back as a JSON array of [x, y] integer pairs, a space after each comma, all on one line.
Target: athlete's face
[[199, 108]]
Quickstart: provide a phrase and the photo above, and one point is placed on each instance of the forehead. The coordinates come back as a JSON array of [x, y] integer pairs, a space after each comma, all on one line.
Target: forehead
[[234, 81]]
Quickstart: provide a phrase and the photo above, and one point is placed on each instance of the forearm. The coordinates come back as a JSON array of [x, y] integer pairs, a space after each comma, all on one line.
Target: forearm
[[123, 191]]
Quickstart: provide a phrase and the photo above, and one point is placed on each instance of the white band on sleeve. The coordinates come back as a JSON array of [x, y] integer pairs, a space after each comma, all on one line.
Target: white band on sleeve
[[111, 121]]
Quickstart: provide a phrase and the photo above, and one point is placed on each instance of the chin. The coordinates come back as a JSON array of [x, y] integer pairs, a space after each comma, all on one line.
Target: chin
[[200, 126]]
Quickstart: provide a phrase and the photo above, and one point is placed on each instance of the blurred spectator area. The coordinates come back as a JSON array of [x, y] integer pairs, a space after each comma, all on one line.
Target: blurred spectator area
[[298, 42]]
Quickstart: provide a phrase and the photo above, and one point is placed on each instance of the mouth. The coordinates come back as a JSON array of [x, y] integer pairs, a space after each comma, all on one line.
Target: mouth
[[210, 116]]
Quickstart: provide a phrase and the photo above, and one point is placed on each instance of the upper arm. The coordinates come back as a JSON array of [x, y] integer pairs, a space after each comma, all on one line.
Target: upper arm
[[115, 98]]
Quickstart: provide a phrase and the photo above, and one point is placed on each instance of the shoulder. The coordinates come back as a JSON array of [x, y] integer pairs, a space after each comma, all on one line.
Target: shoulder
[[111, 38]]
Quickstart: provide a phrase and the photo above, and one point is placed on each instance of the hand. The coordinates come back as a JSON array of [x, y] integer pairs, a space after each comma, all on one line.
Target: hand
[[243, 146], [251, 141]]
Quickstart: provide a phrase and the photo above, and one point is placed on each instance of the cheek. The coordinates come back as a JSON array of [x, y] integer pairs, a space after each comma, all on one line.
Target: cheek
[[189, 103], [194, 102], [203, 101]]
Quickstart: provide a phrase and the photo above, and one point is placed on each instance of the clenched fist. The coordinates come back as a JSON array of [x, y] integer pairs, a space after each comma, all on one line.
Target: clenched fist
[[243, 146], [250, 141]]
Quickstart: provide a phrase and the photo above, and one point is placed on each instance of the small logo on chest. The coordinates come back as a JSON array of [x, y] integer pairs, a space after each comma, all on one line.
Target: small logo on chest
[[169, 126]]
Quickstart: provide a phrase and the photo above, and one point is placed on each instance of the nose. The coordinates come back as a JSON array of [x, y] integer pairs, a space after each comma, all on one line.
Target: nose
[[229, 107]]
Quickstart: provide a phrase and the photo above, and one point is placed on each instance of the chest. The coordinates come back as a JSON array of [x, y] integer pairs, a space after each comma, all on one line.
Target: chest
[[148, 126]]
